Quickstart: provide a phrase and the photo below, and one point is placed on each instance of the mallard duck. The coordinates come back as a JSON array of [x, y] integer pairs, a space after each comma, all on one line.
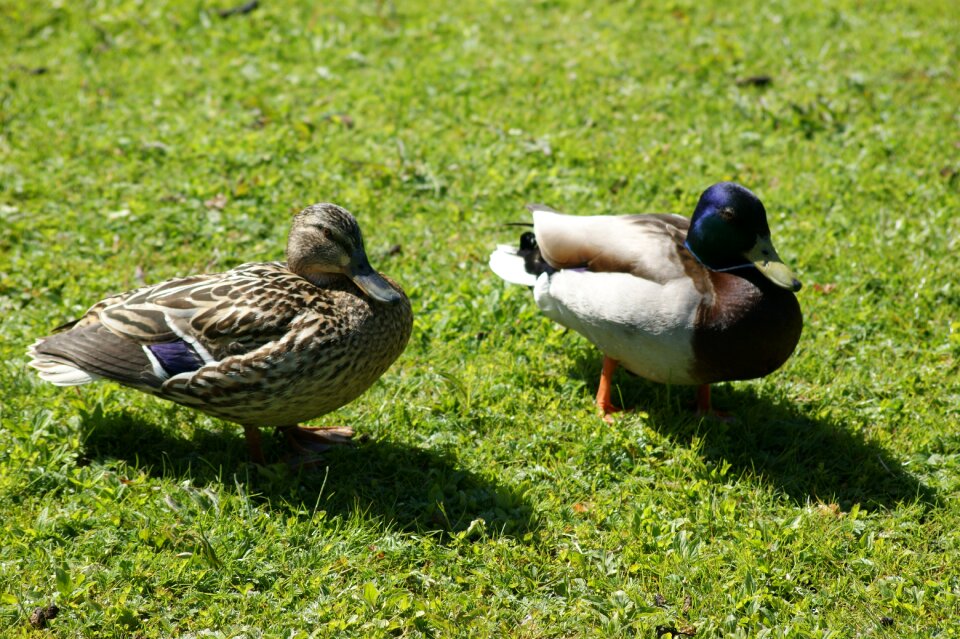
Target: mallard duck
[[673, 300], [263, 344]]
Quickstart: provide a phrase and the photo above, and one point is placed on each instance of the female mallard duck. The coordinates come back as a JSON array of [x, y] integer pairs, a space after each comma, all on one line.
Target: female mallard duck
[[673, 300], [264, 344]]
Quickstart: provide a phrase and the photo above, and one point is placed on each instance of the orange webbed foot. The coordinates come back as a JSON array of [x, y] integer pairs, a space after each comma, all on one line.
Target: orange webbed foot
[[314, 439], [306, 443], [607, 411], [604, 403]]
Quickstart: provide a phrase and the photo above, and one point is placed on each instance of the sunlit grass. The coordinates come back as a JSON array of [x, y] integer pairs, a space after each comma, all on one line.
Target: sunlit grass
[[149, 140]]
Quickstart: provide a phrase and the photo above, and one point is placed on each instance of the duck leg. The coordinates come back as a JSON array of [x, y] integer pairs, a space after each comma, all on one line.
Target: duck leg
[[705, 407], [313, 439], [703, 400], [604, 403], [252, 434]]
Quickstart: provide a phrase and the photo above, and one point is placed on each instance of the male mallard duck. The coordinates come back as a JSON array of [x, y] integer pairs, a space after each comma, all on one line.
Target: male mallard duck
[[264, 344], [673, 300]]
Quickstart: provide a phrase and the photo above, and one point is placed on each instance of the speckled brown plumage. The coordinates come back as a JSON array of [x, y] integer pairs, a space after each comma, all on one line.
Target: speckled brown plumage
[[259, 345]]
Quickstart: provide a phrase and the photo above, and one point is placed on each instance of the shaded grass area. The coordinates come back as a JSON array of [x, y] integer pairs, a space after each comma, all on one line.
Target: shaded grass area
[[411, 487], [140, 141], [808, 459]]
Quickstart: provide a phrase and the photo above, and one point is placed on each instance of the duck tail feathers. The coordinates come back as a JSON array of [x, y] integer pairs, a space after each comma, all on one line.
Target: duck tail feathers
[[510, 267], [88, 353], [57, 371], [521, 265]]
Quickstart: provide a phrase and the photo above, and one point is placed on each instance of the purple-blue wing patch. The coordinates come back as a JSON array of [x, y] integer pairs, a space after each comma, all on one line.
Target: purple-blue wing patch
[[176, 357]]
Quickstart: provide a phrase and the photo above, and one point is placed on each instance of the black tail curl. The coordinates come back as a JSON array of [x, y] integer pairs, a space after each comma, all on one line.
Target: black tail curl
[[533, 261]]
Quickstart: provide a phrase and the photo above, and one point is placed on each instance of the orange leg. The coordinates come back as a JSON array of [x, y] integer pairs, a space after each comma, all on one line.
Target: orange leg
[[253, 443], [705, 408], [703, 400], [607, 409]]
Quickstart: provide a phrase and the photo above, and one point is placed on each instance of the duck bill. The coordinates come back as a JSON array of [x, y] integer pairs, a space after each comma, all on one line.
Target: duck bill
[[765, 258], [369, 281]]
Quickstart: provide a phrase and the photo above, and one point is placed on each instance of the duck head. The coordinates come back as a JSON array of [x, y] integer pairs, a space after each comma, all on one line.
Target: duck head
[[325, 241], [729, 231]]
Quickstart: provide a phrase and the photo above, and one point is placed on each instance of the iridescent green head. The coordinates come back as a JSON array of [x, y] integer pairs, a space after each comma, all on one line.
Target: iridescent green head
[[729, 231]]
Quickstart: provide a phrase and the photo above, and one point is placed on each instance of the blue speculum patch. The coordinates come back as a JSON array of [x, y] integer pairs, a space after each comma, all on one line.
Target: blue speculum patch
[[176, 357]]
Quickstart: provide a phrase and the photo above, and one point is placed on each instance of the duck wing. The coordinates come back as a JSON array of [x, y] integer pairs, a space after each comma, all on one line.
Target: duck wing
[[219, 315], [627, 284], [146, 336], [647, 246]]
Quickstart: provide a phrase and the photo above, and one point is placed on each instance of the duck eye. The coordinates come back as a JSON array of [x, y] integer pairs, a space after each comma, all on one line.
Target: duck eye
[[726, 213], [326, 232]]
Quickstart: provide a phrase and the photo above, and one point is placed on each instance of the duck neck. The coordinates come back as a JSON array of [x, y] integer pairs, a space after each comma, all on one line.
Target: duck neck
[[321, 279], [710, 243], [718, 263]]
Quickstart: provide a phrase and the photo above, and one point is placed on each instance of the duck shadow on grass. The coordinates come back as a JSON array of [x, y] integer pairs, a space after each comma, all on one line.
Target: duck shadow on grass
[[411, 488], [807, 458]]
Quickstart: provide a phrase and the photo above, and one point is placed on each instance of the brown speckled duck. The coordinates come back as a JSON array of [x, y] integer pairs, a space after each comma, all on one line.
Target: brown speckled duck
[[673, 300], [263, 344]]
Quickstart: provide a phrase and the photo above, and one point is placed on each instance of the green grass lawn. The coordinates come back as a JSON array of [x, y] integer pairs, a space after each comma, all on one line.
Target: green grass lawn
[[145, 140]]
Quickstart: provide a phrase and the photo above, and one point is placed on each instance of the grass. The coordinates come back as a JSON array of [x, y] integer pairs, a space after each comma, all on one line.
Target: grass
[[149, 140]]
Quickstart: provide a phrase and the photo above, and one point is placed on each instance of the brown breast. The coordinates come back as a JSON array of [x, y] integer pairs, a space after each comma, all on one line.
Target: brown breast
[[746, 328]]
